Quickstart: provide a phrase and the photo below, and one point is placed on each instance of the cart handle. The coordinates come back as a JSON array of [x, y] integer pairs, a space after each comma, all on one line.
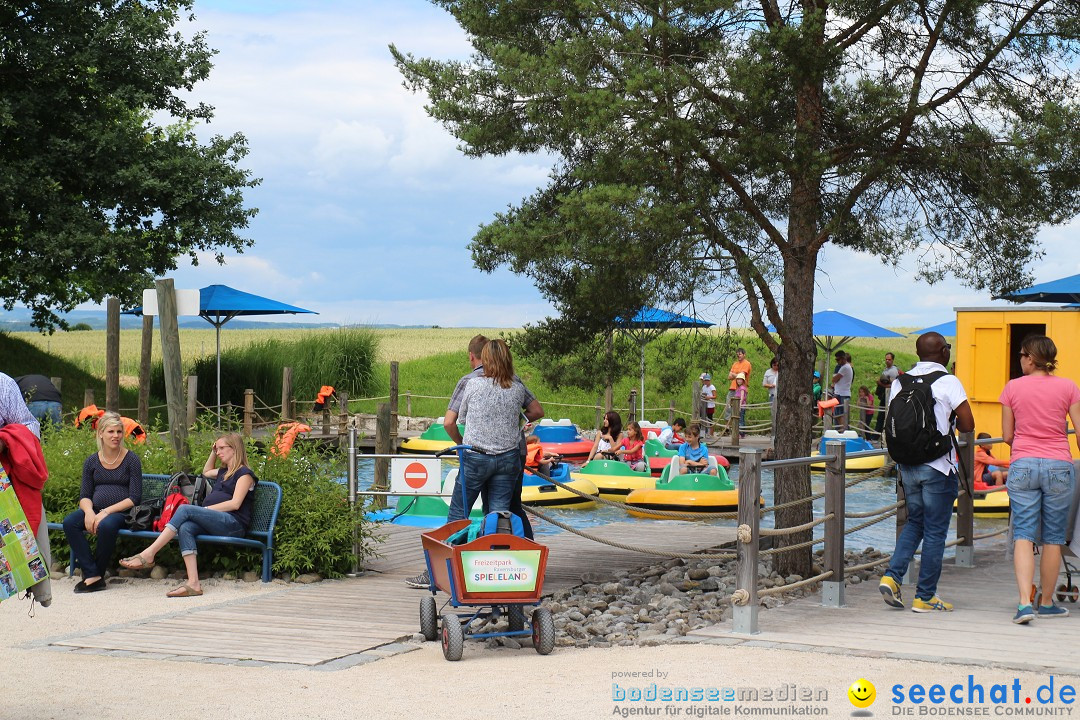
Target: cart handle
[[454, 449]]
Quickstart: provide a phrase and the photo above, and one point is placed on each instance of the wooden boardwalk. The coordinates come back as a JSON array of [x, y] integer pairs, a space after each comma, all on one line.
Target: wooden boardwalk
[[334, 621], [978, 632]]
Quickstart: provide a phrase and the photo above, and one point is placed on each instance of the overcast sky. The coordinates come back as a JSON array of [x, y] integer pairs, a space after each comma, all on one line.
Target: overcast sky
[[366, 206]]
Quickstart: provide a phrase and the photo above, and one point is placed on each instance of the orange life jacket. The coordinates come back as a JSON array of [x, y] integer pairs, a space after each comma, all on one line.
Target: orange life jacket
[[533, 455], [286, 436], [325, 392], [133, 430], [89, 414]]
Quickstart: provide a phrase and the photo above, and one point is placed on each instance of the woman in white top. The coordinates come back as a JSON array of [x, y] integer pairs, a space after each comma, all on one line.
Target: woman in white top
[[608, 437]]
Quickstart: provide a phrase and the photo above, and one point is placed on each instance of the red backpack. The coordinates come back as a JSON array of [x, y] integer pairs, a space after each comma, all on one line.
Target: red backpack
[[172, 502]]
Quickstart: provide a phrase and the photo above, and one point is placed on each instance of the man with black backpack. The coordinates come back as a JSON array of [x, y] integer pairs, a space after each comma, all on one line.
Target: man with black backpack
[[925, 404]]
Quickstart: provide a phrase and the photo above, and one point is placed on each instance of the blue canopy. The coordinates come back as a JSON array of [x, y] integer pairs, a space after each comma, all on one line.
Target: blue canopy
[[1062, 290], [657, 321], [830, 324], [218, 304], [945, 329]]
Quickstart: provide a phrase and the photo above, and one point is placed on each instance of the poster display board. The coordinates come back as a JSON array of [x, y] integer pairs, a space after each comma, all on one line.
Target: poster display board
[[21, 564]]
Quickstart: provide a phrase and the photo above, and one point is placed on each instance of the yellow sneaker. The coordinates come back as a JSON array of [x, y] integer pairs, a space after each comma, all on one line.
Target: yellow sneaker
[[933, 604], [890, 592]]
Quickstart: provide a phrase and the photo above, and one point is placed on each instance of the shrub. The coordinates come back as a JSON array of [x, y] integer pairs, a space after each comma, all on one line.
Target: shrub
[[314, 529]]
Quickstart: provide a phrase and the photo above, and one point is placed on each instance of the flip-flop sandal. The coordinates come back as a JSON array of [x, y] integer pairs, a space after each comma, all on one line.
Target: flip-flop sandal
[[184, 590], [135, 562]]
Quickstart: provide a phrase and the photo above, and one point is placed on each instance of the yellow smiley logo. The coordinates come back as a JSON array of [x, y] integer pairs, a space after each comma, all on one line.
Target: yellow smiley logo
[[861, 693]]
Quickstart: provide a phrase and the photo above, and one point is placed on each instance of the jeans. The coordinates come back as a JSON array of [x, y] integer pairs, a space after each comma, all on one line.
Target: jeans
[[44, 410], [1040, 493], [191, 520], [496, 476], [930, 495], [94, 563]]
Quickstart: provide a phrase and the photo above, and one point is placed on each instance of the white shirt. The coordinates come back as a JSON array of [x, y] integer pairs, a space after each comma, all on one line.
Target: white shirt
[[949, 394], [708, 393], [770, 379], [842, 387]]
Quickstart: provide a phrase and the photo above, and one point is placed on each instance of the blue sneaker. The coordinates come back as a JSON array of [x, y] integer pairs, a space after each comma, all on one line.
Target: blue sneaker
[[1052, 611], [1024, 615]]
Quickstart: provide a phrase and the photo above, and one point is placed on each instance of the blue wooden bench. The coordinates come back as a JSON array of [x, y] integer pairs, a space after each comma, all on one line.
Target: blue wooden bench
[[260, 536]]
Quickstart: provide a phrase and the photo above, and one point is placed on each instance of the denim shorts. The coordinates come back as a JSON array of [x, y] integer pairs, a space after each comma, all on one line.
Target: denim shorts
[[1040, 494]]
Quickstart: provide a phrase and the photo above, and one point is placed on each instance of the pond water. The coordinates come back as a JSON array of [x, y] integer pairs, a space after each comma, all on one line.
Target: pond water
[[869, 495]]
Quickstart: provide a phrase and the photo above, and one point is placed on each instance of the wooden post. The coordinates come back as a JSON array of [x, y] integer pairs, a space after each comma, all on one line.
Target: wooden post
[[393, 403], [286, 393], [192, 398], [382, 447], [832, 589], [697, 406], [671, 411], [901, 517], [343, 419], [57, 382], [170, 356], [965, 503], [88, 397], [145, 354], [249, 411], [745, 617], [631, 413], [325, 421], [408, 404], [599, 411], [112, 355], [733, 418]]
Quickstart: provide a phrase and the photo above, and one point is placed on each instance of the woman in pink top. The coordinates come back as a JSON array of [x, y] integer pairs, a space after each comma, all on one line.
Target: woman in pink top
[[1041, 475]]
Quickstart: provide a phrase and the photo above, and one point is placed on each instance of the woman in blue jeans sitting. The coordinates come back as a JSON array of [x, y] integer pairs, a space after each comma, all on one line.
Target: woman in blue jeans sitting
[[227, 510], [111, 485]]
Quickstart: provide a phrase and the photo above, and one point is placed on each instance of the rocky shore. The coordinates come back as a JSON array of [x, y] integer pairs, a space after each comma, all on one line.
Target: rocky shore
[[659, 603]]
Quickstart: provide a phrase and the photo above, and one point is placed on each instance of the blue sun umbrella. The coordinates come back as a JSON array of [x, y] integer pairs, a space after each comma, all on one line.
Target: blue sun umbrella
[[649, 321], [218, 304], [832, 330], [1063, 290], [945, 329]]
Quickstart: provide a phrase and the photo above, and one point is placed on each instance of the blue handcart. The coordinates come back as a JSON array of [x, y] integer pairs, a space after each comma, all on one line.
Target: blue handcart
[[497, 574]]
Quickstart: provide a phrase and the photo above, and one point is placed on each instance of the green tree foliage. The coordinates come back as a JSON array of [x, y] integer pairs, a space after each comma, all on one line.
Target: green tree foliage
[[96, 196], [744, 136]]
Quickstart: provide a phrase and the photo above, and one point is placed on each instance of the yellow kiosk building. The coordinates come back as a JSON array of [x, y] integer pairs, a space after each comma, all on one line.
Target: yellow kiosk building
[[987, 354]]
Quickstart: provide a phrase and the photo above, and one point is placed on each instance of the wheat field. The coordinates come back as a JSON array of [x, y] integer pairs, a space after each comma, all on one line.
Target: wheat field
[[86, 348]]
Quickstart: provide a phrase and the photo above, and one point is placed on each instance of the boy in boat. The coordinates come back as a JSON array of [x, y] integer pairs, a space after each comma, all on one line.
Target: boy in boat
[[536, 458], [989, 469], [693, 456], [671, 436]]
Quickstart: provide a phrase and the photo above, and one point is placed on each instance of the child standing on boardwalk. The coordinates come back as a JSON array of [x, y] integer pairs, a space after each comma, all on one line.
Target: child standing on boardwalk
[[741, 394]]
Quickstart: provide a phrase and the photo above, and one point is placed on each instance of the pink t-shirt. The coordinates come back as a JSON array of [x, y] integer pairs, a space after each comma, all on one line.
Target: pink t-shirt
[[1040, 406]]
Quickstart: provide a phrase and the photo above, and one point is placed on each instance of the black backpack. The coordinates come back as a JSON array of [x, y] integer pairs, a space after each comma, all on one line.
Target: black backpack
[[911, 433], [193, 487]]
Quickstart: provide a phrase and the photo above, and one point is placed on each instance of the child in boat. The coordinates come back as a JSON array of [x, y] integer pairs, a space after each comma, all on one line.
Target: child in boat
[[670, 437], [631, 449], [537, 458], [866, 407], [741, 392], [693, 456], [989, 469]]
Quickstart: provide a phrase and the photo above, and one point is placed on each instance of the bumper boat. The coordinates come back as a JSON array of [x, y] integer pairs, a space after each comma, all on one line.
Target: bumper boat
[[562, 437], [431, 441], [659, 457], [854, 444], [989, 500], [614, 479], [688, 493], [425, 511], [535, 490]]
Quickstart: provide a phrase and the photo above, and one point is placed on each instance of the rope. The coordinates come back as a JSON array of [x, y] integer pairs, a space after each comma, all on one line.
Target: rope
[[867, 566], [777, 589], [983, 536], [796, 528], [632, 548], [871, 522], [789, 548], [869, 513]]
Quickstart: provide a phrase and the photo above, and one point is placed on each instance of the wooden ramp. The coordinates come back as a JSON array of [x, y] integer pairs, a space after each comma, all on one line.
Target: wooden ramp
[[978, 632], [343, 622]]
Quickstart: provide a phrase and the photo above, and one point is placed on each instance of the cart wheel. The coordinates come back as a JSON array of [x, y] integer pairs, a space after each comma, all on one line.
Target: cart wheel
[[1067, 592], [515, 615], [543, 631], [453, 637], [429, 621]]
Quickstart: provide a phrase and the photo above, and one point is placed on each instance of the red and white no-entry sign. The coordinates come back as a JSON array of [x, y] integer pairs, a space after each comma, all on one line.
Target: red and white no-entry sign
[[409, 476], [416, 475]]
